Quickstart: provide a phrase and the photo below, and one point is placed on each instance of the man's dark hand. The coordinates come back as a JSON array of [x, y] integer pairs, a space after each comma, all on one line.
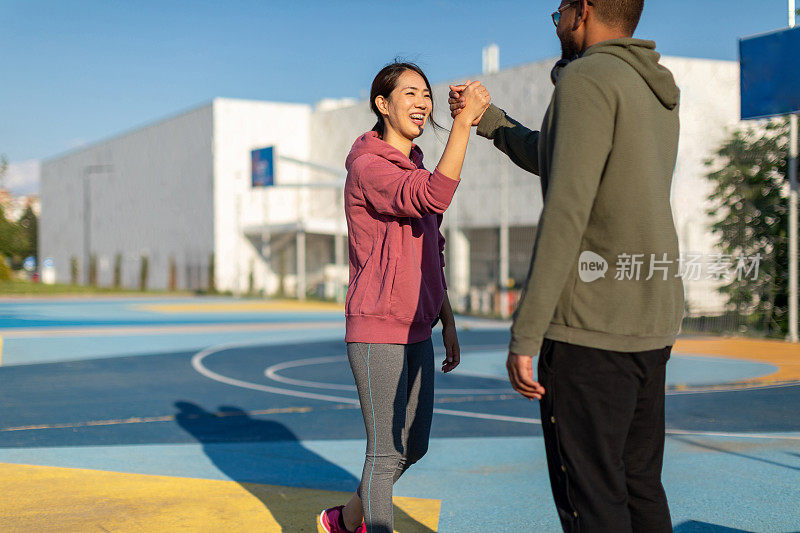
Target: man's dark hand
[[457, 103], [520, 374]]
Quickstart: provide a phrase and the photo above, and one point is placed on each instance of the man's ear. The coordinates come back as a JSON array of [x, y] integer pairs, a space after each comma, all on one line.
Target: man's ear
[[581, 12]]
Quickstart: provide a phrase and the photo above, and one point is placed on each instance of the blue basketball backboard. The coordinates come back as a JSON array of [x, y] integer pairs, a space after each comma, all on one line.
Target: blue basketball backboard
[[263, 166], [770, 73]]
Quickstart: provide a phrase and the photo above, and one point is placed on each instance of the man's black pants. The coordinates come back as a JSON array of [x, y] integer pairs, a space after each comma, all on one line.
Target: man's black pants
[[603, 423]]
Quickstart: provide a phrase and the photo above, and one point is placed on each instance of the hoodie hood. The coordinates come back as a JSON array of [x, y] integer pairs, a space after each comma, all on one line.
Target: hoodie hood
[[370, 143], [642, 56]]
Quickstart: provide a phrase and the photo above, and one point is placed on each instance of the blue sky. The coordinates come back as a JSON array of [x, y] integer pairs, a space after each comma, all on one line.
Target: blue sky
[[78, 71]]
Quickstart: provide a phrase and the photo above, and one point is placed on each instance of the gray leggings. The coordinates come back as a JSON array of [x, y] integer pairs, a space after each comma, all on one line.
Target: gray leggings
[[395, 387]]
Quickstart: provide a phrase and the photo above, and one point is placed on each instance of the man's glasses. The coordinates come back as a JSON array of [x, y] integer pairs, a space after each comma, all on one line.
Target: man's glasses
[[557, 14]]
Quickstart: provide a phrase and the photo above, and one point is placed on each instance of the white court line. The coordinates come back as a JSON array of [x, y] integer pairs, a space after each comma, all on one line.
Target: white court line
[[692, 389], [732, 388], [734, 435], [272, 373], [485, 416], [197, 363]]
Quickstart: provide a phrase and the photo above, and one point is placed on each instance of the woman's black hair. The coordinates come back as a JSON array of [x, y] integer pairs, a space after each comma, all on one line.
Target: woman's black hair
[[386, 81]]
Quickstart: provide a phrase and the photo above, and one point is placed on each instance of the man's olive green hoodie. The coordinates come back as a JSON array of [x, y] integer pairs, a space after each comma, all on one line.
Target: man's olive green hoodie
[[605, 154]]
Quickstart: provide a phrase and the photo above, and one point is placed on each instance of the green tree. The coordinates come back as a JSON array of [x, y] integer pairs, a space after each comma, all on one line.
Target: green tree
[[73, 270], [17, 239], [29, 226], [117, 271], [5, 270], [750, 199], [12, 239]]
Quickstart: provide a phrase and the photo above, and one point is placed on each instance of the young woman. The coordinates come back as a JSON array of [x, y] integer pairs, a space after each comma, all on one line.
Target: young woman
[[397, 289]]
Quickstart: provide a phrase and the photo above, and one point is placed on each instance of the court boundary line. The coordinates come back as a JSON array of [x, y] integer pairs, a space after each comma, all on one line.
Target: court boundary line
[[346, 403], [197, 364], [272, 373], [774, 436]]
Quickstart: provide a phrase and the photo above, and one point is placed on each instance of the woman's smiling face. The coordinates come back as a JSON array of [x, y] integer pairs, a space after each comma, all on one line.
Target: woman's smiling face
[[409, 105]]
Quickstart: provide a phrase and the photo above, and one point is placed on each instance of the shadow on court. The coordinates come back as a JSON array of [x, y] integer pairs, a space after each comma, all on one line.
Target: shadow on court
[[698, 444], [693, 526], [284, 462]]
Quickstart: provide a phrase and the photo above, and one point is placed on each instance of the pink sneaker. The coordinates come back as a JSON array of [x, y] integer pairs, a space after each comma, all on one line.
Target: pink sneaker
[[332, 522]]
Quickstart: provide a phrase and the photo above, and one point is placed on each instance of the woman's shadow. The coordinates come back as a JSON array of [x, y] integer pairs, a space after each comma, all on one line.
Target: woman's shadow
[[227, 437]]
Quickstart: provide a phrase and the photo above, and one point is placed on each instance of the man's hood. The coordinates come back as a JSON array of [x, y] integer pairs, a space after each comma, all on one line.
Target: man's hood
[[642, 56], [370, 143]]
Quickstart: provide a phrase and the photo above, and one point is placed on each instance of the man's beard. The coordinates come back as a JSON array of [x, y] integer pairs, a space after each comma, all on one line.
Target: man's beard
[[569, 50]]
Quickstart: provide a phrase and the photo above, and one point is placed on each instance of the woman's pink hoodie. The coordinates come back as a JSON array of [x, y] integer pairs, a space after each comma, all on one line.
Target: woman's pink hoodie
[[394, 210]]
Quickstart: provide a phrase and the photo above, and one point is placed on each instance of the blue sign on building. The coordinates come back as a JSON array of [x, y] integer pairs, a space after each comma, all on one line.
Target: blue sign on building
[[770, 73], [263, 166]]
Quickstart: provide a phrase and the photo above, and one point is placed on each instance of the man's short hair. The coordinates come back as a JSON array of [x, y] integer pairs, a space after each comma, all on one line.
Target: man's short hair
[[621, 14]]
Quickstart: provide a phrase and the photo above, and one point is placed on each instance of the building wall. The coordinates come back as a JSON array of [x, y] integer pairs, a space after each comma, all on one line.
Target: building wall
[[154, 199], [709, 113], [181, 187], [239, 127]]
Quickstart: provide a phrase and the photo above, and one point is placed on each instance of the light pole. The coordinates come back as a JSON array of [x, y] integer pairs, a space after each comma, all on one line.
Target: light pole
[[793, 198], [505, 254]]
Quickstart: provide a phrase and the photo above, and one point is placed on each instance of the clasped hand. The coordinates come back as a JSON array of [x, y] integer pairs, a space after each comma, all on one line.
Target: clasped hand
[[469, 101]]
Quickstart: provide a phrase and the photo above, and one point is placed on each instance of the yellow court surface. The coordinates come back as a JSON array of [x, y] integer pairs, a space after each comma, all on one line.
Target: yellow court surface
[[784, 355], [49, 499]]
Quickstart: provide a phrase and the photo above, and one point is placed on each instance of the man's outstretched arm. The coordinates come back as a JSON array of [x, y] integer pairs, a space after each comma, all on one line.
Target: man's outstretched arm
[[519, 143]]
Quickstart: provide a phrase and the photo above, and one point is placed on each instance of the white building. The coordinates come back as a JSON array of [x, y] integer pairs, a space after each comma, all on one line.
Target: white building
[[178, 192]]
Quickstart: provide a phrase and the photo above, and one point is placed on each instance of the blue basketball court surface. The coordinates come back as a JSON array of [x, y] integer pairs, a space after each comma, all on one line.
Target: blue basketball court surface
[[211, 414]]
